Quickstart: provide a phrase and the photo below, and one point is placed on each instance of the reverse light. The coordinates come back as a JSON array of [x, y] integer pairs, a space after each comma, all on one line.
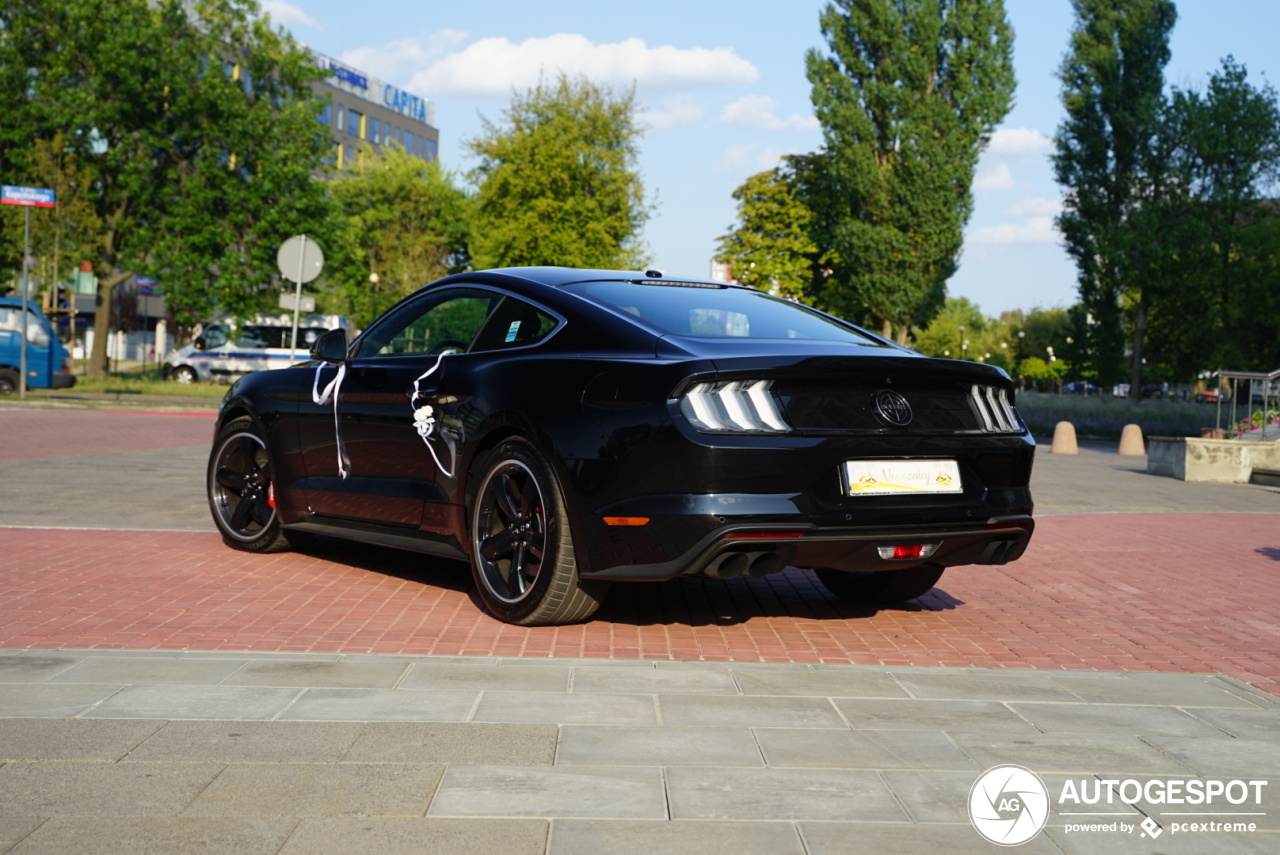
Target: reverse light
[[907, 552], [735, 405], [992, 407]]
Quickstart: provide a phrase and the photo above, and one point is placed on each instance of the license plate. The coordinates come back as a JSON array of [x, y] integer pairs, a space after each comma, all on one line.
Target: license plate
[[890, 477]]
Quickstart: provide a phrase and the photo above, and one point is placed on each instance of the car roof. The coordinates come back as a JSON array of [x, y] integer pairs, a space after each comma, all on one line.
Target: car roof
[[557, 276]]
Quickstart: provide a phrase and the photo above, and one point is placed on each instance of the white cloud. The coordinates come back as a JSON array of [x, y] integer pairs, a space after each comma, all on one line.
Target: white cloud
[[1018, 142], [1036, 206], [673, 112], [494, 66], [756, 112], [284, 14], [749, 158], [996, 177], [399, 59], [1031, 230]]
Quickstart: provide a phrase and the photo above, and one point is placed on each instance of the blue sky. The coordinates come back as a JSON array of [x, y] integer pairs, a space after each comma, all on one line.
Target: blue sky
[[722, 90]]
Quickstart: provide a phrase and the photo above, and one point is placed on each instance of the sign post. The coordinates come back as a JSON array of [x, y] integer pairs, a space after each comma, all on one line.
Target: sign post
[[28, 197], [146, 287], [301, 260]]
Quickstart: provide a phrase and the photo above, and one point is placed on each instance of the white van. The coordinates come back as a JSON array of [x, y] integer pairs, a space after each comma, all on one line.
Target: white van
[[223, 350]]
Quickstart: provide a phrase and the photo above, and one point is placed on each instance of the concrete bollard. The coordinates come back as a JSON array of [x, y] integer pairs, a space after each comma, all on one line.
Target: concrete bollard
[[1131, 441], [1064, 439]]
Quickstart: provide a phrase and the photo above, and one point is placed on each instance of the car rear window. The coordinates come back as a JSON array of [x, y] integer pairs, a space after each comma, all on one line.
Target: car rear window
[[716, 312]]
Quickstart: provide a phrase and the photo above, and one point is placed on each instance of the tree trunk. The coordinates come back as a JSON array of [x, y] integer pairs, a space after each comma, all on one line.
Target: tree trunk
[[1139, 332], [102, 323]]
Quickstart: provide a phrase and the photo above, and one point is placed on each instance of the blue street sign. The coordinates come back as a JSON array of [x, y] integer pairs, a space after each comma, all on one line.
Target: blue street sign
[[37, 197]]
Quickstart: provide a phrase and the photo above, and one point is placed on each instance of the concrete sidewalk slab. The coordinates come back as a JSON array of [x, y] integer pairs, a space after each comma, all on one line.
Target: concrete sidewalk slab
[[609, 745], [588, 837], [381, 705], [822, 772]]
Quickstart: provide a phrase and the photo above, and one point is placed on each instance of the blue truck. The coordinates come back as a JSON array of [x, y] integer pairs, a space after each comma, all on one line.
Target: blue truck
[[48, 363]]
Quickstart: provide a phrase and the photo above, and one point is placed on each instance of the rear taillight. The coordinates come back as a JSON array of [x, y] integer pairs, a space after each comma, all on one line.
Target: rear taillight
[[907, 552], [994, 412], [740, 406]]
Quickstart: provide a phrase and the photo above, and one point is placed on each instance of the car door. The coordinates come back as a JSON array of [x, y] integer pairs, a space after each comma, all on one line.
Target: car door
[[391, 468], [467, 387]]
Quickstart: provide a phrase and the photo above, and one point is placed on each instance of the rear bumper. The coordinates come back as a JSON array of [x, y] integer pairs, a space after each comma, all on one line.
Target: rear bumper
[[761, 548]]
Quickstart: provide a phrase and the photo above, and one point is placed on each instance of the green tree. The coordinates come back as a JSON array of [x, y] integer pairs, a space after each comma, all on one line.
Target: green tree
[[405, 223], [1216, 228], [1048, 335], [558, 180], [959, 321], [771, 248], [197, 126], [908, 97], [1107, 159]]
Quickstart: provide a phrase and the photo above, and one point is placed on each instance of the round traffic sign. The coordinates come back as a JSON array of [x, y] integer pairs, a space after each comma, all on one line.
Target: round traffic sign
[[300, 259]]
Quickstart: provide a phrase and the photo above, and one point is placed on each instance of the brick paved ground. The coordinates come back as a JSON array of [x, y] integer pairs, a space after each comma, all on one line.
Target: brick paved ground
[[1128, 592], [39, 433], [1188, 592]]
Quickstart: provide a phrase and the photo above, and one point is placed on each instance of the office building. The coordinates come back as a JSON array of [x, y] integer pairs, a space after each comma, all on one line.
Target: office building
[[365, 110]]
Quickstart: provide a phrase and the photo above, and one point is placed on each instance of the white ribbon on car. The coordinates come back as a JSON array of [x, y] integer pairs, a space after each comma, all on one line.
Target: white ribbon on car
[[424, 417], [321, 398]]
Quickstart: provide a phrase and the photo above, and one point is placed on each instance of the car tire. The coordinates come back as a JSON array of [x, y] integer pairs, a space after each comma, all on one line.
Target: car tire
[[883, 587], [522, 551], [241, 491], [184, 374], [8, 381]]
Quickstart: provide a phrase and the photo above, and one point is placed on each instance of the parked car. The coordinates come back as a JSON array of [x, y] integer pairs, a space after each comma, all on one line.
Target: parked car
[[564, 429], [1081, 387], [48, 362], [225, 350], [1120, 390]]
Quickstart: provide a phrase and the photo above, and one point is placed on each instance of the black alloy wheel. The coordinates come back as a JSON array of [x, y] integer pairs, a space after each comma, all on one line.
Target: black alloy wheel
[[241, 492], [8, 381], [882, 587], [522, 554]]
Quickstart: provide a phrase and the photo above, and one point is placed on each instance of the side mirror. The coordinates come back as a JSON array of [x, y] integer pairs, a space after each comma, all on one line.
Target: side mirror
[[331, 347]]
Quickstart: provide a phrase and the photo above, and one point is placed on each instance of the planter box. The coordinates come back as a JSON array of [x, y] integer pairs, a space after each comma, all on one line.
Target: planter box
[[1219, 461]]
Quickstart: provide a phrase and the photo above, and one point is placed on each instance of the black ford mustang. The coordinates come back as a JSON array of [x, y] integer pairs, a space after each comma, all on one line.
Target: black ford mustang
[[564, 429]]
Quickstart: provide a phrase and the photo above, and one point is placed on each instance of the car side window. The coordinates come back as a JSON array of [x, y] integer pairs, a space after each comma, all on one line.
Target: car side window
[[256, 337], [215, 336], [514, 323], [431, 325], [35, 330]]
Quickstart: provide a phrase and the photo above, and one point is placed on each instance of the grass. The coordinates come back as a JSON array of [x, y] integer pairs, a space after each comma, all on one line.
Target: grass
[[1104, 417], [136, 381]]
